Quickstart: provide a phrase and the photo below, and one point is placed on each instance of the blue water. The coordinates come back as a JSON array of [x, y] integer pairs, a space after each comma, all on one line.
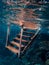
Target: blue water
[[38, 52]]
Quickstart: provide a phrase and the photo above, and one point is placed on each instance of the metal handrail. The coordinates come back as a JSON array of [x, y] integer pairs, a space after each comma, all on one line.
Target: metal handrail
[[20, 42], [8, 33]]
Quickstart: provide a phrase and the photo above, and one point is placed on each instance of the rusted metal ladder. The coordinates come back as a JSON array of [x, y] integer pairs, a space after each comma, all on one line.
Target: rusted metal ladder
[[23, 39]]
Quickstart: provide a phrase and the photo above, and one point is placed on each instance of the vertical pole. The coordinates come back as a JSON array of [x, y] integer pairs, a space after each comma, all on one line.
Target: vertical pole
[[8, 32], [20, 42]]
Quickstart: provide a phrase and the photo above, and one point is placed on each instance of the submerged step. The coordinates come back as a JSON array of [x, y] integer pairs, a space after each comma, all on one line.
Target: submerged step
[[28, 32], [22, 40], [17, 44], [14, 50], [30, 25], [24, 36]]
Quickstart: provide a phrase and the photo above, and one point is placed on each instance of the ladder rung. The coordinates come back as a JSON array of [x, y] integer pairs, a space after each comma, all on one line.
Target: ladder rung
[[17, 44], [19, 39], [28, 32], [24, 36], [14, 50]]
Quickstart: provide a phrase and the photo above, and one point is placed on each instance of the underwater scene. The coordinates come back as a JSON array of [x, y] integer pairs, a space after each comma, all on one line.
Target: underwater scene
[[38, 51]]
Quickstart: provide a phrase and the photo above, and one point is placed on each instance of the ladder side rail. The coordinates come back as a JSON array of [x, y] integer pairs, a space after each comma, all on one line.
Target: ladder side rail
[[20, 41], [31, 39], [8, 33]]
